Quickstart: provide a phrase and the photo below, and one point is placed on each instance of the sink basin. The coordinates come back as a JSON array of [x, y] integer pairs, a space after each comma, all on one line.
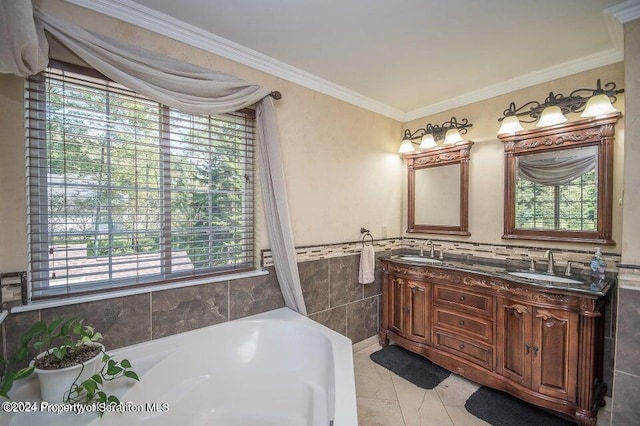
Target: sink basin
[[544, 277], [420, 259]]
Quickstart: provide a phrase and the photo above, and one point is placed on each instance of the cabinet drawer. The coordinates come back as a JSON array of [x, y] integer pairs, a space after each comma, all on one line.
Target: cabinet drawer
[[478, 328], [461, 299], [471, 351]]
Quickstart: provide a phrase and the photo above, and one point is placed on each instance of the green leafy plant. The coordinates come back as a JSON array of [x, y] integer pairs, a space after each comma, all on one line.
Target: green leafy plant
[[65, 342]]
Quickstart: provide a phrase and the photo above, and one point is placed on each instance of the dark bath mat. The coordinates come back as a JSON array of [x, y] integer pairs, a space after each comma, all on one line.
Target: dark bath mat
[[412, 367], [501, 409]]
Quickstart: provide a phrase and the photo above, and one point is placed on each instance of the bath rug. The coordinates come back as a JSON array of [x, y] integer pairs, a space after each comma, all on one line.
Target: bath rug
[[501, 409], [412, 367]]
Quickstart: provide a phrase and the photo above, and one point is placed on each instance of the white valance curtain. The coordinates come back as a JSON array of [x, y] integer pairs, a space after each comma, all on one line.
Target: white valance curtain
[[556, 170], [24, 51]]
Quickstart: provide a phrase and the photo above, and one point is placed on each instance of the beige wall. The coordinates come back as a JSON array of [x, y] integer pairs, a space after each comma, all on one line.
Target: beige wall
[[341, 166], [631, 230], [486, 166], [13, 230]]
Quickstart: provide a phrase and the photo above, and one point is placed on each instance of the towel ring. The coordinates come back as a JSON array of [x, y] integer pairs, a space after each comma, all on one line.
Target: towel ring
[[364, 237]]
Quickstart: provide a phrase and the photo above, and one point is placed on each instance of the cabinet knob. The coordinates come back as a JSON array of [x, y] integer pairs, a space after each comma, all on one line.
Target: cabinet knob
[[461, 298], [461, 322], [461, 346]]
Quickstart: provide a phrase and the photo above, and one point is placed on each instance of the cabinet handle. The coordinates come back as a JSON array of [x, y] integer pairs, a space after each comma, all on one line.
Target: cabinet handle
[[461, 322], [535, 350], [527, 348], [461, 298], [461, 346]]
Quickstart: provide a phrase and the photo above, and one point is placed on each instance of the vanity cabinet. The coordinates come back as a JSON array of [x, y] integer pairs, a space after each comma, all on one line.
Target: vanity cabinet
[[542, 345], [410, 315], [462, 324], [539, 348]]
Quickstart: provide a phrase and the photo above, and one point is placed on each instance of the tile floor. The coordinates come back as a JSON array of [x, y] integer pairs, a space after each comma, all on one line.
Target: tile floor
[[386, 399]]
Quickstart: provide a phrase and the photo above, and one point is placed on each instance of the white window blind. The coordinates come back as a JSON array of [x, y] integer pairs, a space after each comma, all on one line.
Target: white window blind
[[125, 191]]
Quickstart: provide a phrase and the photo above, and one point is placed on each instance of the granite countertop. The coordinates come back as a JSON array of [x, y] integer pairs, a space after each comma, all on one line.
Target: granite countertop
[[587, 283]]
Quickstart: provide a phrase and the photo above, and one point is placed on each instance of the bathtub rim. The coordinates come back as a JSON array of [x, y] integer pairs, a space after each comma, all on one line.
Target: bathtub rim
[[345, 404]]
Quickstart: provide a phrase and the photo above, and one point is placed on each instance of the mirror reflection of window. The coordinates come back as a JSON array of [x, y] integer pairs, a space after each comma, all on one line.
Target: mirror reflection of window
[[557, 190]]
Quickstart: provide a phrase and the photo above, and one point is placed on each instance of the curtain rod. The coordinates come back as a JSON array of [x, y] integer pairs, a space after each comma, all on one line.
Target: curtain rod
[[276, 95]]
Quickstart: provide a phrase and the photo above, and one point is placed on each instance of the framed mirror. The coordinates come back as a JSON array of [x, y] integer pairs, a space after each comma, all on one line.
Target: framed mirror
[[559, 182], [438, 184]]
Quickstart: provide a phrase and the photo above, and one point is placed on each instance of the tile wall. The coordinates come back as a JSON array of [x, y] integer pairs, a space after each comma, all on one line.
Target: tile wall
[[329, 279]]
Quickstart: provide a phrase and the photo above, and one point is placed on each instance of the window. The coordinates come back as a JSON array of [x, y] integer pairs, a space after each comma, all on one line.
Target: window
[[123, 190]]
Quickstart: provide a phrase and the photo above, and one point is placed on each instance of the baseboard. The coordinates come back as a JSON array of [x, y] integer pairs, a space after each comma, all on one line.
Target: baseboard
[[365, 343]]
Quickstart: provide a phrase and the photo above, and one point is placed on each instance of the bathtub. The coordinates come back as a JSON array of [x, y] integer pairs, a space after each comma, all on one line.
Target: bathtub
[[278, 368]]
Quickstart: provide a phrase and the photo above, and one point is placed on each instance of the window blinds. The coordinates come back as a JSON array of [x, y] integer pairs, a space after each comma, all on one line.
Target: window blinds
[[125, 191]]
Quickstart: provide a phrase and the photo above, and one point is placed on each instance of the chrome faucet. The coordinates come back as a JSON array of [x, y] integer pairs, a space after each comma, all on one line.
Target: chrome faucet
[[549, 255], [430, 244]]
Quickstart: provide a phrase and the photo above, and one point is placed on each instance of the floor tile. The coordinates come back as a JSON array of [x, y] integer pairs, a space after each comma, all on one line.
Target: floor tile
[[386, 399], [372, 380], [420, 407], [370, 349], [462, 417], [379, 412], [455, 390]]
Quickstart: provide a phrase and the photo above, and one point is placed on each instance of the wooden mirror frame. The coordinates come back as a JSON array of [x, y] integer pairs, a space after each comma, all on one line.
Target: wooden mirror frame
[[598, 132], [443, 156]]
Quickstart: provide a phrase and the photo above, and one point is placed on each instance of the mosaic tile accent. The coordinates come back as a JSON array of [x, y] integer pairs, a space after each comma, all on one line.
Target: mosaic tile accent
[[327, 251], [578, 258], [13, 287]]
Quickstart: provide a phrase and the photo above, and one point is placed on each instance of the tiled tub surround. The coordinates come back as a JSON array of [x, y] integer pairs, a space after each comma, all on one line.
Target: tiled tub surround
[[329, 278], [627, 368], [142, 317]]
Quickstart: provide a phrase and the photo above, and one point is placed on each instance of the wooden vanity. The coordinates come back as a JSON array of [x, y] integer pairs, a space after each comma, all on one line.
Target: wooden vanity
[[543, 345]]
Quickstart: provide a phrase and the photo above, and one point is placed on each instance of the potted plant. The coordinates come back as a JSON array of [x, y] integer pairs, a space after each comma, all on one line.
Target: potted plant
[[71, 364]]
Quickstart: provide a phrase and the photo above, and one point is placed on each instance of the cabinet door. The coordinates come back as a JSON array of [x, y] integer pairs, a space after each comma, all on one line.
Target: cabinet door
[[555, 360], [398, 309], [514, 342], [418, 318]]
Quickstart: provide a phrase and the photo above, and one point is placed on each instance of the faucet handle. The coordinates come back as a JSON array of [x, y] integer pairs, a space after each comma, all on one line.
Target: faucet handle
[[567, 271], [532, 265]]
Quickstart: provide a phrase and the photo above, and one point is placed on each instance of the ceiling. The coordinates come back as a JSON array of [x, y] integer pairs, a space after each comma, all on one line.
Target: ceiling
[[403, 58]]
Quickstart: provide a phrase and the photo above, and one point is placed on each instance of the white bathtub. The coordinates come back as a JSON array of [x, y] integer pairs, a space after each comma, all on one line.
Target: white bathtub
[[273, 369]]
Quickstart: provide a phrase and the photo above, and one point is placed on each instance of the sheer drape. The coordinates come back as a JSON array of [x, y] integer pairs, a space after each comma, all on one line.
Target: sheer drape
[[23, 51], [555, 171], [23, 45]]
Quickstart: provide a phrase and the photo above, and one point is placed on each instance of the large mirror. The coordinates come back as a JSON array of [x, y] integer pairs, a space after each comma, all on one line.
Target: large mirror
[[438, 184], [559, 182]]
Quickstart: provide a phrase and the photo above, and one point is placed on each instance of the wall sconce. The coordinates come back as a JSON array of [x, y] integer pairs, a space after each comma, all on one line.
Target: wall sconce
[[450, 130], [593, 103]]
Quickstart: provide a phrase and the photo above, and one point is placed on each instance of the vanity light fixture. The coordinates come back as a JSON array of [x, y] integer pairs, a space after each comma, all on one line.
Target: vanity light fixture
[[452, 136], [510, 124], [450, 130], [551, 115], [427, 141], [593, 103], [598, 105]]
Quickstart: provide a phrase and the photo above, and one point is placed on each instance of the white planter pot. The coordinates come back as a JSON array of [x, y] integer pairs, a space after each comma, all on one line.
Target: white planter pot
[[54, 384]]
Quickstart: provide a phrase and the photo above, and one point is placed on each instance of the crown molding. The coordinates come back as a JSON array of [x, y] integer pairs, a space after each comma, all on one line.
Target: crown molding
[[143, 17], [565, 69], [626, 11]]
